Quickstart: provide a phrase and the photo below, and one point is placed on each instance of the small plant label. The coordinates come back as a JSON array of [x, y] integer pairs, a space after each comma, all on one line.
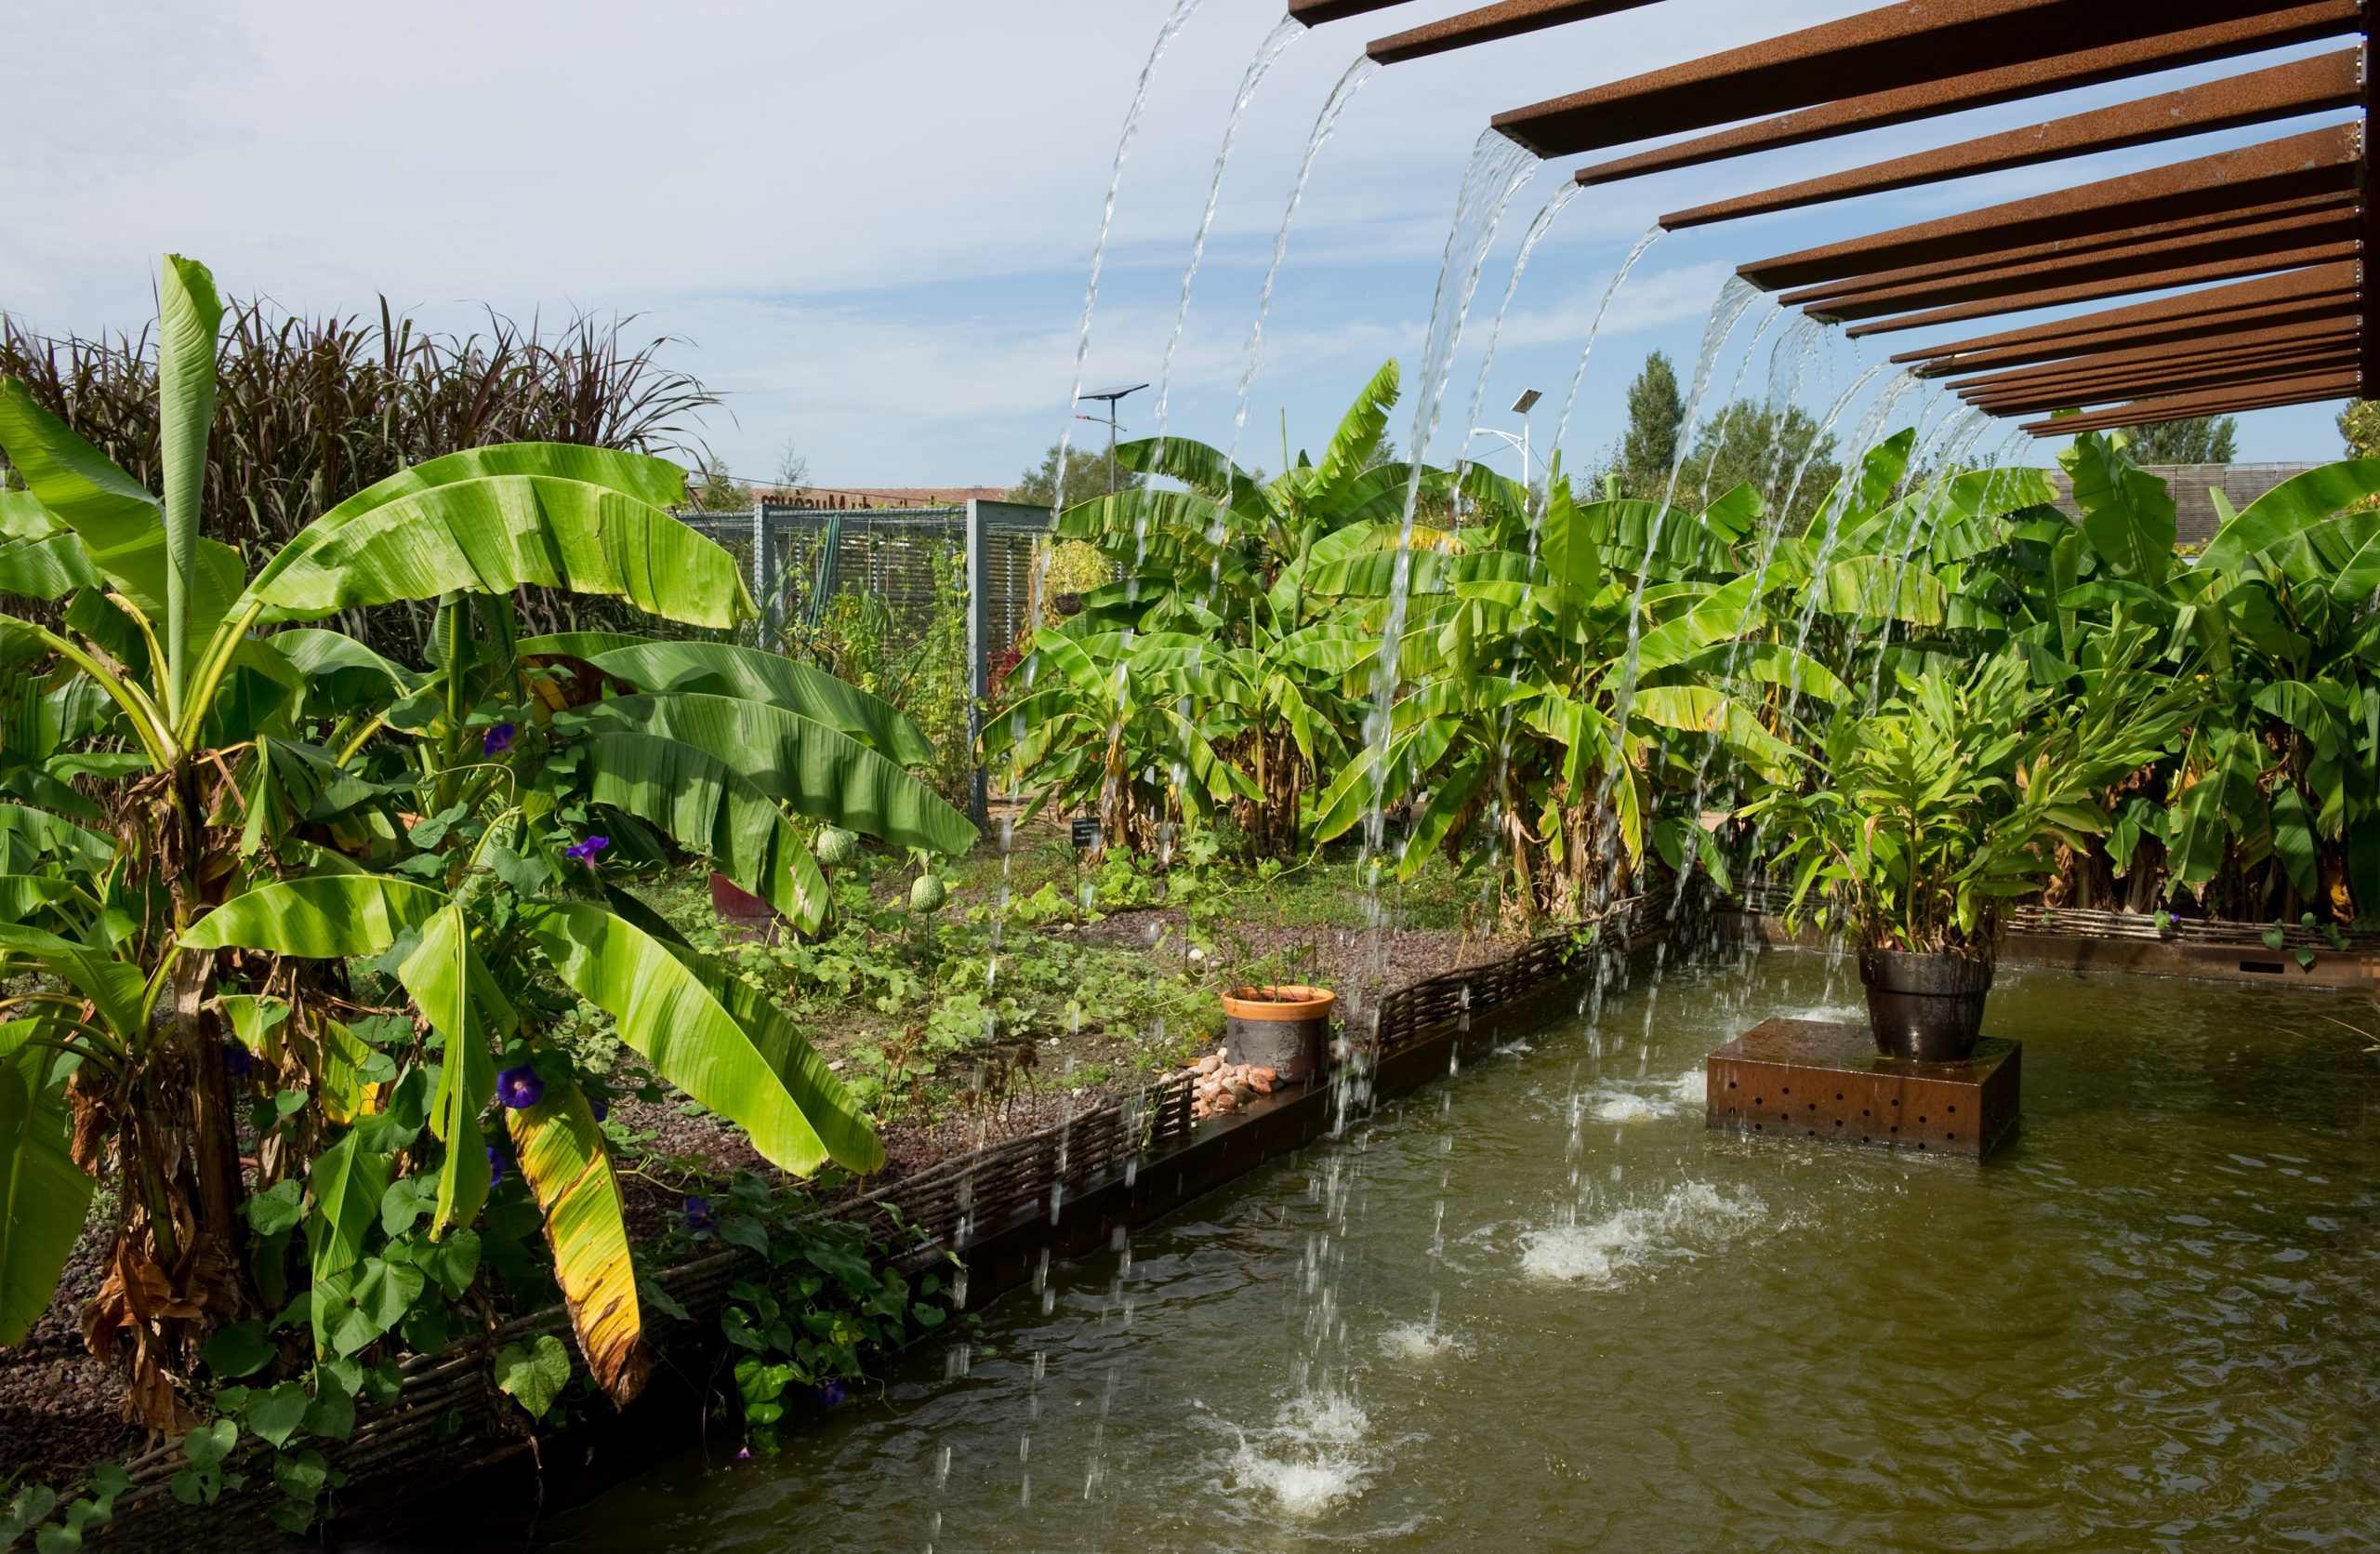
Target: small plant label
[[1086, 833]]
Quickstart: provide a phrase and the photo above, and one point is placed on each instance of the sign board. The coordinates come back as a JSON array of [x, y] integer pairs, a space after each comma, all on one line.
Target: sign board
[[1086, 833]]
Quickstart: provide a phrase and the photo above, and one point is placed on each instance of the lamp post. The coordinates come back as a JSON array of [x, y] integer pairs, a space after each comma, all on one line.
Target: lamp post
[[1112, 396], [1521, 407]]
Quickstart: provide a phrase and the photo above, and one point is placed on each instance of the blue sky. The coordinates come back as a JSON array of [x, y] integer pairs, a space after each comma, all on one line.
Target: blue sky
[[869, 227]]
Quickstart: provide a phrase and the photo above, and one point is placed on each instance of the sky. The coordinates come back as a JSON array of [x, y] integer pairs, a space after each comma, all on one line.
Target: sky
[[870, 228]]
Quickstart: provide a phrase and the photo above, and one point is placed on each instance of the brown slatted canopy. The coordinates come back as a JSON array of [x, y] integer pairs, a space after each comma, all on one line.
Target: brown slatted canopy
[[2270, 237]]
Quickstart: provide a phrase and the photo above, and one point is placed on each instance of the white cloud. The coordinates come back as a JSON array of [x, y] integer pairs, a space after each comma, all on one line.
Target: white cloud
[[873, 221]]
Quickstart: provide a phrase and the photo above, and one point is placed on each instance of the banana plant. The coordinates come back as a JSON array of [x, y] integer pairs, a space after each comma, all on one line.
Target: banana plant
[[170, 733], [1546, 656], [2277, 807], [1212, 678]]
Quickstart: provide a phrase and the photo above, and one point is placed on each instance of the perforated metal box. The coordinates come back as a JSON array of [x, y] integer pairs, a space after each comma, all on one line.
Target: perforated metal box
[[1817, 1079]]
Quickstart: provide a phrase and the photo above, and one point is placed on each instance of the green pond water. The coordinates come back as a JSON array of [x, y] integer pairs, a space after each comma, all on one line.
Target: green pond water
[[1539, 1307]]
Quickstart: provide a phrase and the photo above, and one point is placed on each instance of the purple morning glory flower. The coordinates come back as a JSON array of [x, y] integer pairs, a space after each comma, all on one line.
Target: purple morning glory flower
[[830, 1394], [744, 1454], [600, 1108], [520, 1088], [238, 1062], [495, 1166], [497, 739], [699, 1215], [585, 851]]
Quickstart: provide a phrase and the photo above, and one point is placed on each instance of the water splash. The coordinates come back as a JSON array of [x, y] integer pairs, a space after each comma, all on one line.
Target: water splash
[[1284, 31], [1689, 1219]]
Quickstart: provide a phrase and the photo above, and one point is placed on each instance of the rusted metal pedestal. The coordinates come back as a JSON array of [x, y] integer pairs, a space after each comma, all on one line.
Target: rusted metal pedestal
[[1816, 1079]]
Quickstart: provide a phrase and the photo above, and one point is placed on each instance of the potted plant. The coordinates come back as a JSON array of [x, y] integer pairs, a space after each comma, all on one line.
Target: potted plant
[[1283, 1027], [1929, 814]]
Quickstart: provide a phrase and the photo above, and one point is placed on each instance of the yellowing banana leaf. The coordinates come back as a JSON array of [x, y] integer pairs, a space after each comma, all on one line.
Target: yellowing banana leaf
[[568, 1164]]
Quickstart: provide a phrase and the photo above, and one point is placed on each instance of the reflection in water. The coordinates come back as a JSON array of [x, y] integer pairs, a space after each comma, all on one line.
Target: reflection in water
[[2150, 1322]]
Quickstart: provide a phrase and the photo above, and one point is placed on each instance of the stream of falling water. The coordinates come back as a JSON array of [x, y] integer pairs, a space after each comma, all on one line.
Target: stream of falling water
[[1498, 167], [1326, 124], [1539, 226], [1284, 31], [1166, 32], [1594, 327]]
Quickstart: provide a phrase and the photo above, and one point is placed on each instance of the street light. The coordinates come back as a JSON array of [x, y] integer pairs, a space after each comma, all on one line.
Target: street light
[[1112, 396], [1521, 407]]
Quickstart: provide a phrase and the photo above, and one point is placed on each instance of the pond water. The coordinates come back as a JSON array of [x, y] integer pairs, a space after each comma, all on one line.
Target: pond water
[[1539, 1307]]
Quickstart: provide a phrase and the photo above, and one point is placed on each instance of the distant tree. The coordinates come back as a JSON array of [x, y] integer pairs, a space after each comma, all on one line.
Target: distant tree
[[1777, 448], [712, 489], [793, 471], [2360, 424], [1087, 476], [1656, 416], [2200, 440]]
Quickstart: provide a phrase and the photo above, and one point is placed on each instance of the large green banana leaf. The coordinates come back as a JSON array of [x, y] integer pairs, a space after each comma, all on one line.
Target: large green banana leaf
[[44, 1196], [462, 1002], [495, 533], [709, 806], [324, 917], [190, 317], [813, 768], [726, 669], [762, 1077], [2290, 507]]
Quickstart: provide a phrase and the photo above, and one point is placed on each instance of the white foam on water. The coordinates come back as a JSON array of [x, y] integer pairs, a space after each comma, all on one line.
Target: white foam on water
[[1691, 1218], [1308, 1461], [1691, 1088], [1629, 1108], [1422, 1344]]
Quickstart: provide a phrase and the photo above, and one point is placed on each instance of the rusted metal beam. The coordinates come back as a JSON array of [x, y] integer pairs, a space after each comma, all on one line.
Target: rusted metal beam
[[2179, 380], [2324, 284], [2133, 262], [2345, 308], [2215, 224], [2146, 412], [2124, 286], [1893, 46], [2076, 378], [1314, 13], [1982, 88], [2318, 162], [1487, 23], [2330, 82], [2338, 327]]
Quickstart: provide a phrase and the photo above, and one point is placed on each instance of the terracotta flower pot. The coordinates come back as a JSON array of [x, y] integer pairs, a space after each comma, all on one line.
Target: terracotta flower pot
[[1924, 1008], [1285, 1028]]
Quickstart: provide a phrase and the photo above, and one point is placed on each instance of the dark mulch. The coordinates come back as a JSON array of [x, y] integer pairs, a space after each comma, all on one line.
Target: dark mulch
[[61, 1412]]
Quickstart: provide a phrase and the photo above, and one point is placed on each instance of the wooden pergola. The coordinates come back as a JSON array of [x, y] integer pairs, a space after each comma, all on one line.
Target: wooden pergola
[[2271, 235]]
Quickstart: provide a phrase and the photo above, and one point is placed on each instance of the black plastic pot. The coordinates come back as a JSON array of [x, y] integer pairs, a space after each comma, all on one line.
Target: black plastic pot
[[1926, 1008]]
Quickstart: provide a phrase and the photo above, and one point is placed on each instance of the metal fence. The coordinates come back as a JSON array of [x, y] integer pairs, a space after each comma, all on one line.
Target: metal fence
[[798, 559]]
